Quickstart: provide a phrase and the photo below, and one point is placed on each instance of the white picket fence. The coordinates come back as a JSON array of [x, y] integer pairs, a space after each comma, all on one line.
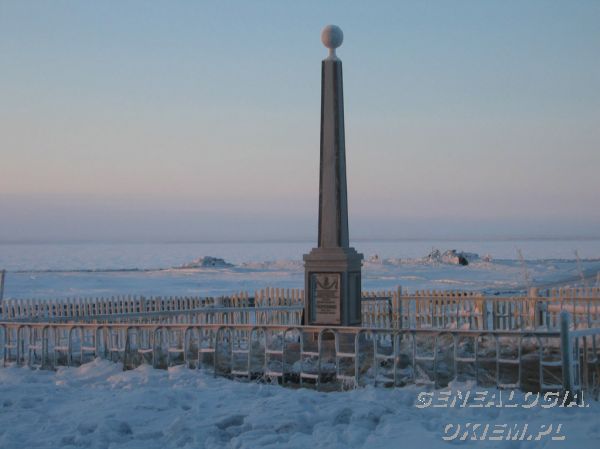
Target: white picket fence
[[75, 309], [445, 309], [422, 309], [395, 309]]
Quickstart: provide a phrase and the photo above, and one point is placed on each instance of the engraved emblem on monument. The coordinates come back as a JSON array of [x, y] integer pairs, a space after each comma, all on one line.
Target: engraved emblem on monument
[[327, 298]]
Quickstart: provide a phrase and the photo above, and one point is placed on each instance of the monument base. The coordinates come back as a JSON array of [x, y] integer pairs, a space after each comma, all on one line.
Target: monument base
[[332, 287]]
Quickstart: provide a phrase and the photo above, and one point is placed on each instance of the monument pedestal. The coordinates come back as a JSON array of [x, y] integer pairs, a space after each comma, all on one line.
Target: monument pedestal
[[333, 286]]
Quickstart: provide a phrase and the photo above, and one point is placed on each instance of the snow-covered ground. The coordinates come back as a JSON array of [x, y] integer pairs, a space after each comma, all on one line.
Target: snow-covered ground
[[100, 406], [94, 256], [503, 276]]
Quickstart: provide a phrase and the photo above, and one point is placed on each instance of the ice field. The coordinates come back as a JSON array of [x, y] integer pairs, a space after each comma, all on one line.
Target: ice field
[[71, 270]]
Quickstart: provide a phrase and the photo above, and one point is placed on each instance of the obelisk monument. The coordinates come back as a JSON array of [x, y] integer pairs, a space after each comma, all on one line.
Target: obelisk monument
[[333, 269]]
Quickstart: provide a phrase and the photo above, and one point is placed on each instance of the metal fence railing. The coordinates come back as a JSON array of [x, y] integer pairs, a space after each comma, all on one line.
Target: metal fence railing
[[327, 357], [580, 350]]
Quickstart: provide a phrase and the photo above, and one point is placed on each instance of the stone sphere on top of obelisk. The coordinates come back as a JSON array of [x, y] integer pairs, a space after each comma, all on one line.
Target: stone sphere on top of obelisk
[[332, 37]]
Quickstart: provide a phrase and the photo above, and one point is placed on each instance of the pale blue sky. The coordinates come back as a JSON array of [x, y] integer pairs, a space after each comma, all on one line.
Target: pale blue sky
[[189, 120]]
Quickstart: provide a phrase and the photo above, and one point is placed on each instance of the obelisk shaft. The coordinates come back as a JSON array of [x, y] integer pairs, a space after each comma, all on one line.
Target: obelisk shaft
[[333, 198], [332, 271]]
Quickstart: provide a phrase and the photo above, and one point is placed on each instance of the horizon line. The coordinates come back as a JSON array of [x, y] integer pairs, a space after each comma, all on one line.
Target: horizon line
[[490, 238]]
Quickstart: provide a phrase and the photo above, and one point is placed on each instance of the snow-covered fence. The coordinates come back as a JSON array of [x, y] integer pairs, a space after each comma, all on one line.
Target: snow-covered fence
[[80, 308], [325, 357], [123, 307], [276, 297], [395, 309], [583, 304], [566, 292], [580, 349], [472, 310], [446, 310]]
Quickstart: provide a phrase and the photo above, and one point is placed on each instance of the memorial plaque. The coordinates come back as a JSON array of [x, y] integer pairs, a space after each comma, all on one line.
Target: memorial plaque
[[327, 297]]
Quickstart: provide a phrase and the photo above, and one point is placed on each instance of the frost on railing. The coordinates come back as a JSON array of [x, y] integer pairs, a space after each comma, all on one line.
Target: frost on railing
[[580, 350], [394, 309], [86, 308], [75, 308], [277, 297], [583, 304], [268, 306], [428, 309], [423, 309], [315, 355]]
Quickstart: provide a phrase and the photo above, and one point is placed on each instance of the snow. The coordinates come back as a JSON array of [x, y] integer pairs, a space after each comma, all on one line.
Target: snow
[[192, 269], [207, 261], [98, 405], [141, 256], [492, 276]]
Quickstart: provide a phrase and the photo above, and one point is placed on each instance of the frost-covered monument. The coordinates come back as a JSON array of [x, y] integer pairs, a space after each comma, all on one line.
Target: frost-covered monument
[[333, 269]]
